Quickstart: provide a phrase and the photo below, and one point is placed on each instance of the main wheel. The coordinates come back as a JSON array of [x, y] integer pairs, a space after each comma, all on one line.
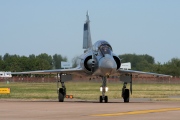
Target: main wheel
[[106, 99], [126, 95], [100, 99], [61, 95]]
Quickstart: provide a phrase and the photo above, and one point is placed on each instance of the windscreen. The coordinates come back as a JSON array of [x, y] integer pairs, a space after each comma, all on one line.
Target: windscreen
[[105, 49]]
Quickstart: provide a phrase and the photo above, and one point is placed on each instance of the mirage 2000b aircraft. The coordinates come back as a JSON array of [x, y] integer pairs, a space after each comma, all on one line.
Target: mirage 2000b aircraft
[[97, 60]]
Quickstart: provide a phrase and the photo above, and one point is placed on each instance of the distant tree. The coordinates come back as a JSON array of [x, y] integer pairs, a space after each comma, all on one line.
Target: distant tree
[[57, 60], [148, 58], [46, 57], [144, 66], [41, 64], [12, 63], [31, 62], [1, 62], [139, 62], [32, 56], [158, 68], [2, 65], [75, 61], [24, 63], [6, 56], [172, 67]]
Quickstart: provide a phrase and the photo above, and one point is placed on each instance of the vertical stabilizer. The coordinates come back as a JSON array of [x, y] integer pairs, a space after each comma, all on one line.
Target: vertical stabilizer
[[87, 43]]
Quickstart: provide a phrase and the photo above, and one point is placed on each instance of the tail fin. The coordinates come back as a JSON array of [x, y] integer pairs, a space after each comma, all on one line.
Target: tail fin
[[87, 43]]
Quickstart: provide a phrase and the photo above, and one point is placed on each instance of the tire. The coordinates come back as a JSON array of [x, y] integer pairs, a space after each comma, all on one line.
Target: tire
[[61, 95], [126, 95], [100, 99], [106, 99]]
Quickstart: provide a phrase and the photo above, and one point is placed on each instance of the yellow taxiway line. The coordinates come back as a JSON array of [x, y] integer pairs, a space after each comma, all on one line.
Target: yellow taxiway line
[[139, 112]]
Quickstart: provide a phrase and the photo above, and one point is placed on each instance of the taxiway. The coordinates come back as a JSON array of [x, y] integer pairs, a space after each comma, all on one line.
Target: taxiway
[[88, 110]]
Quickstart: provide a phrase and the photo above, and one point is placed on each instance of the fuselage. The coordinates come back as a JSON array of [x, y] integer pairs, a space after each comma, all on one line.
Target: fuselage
[[100, 60]]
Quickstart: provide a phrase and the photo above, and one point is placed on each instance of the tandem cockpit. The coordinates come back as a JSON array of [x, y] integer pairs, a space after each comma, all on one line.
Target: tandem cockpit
[[102, 47]]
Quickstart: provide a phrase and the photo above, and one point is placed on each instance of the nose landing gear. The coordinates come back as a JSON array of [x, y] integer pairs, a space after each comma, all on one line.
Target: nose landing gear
[[103, 89]]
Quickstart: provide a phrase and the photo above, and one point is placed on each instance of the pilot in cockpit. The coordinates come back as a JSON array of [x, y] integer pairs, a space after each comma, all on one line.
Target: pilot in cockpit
[[105, 49]]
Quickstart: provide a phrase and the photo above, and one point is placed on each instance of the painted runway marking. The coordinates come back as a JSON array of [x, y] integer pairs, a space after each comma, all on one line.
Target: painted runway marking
[[139, 112]]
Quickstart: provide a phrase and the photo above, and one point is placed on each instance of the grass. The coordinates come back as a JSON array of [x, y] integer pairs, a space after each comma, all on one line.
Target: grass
[[90, 91]]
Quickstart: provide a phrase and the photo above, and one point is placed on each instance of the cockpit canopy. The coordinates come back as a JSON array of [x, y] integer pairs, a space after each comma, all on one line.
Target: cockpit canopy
[[105, 49], [102, 46]]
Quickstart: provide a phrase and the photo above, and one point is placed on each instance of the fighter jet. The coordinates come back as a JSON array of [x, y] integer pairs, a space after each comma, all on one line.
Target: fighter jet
[[98, 60]]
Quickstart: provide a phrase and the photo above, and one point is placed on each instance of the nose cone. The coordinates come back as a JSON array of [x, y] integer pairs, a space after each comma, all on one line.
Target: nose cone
[[107, 65]]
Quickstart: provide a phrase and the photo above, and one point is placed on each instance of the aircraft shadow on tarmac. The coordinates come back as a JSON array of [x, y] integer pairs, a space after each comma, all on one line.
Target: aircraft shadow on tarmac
[[90, 101]]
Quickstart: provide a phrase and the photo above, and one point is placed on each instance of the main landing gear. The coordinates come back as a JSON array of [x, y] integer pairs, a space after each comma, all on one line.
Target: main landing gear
[[103, 89], [125, 93], [61, 91]]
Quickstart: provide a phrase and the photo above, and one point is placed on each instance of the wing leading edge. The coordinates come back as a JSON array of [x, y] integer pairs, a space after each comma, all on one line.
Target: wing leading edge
[[79, 71], [134, 72], [74, 71]]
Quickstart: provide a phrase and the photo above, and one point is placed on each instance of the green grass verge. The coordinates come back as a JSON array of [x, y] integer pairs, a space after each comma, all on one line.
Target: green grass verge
[[90, 91]]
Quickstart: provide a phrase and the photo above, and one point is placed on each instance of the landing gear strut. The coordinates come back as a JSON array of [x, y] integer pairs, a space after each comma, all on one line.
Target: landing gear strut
[[125, 93], [104, 89], [61, 91]]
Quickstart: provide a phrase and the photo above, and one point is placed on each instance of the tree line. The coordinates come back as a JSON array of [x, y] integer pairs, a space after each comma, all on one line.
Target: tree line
[[16, 63], [147, 63]]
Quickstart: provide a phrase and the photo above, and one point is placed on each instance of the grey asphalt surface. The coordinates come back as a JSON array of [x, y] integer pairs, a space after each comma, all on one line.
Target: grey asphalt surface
[[73, 109]]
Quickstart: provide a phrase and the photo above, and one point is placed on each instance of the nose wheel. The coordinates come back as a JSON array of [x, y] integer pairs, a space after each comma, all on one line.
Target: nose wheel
[[101, 99]]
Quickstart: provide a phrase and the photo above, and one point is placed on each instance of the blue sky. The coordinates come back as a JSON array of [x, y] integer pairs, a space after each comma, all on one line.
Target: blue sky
[[56, 26]]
